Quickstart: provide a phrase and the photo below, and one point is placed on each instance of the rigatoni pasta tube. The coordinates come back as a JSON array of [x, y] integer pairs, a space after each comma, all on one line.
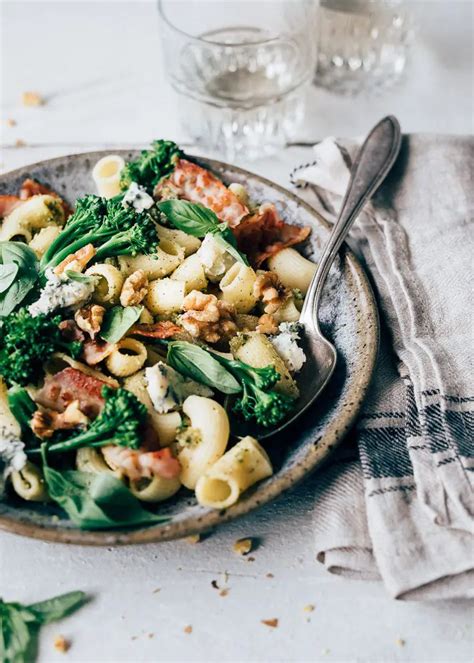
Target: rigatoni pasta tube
[[91, 460], [106, 175], [167, 257], [43, 239], [238, 469], [32, 215], [191, 272], [201, 445], [127, 358], [155, 489], [189, 243], [293, 269], [109, 283], [29, 483], [165, 296], [237, 287]]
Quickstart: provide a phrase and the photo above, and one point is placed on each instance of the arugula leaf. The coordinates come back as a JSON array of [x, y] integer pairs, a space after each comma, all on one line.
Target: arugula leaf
[[96, 501], [197, 220], [117, 321], [19, 624], [194, 362], [7, 275], [19, 255]]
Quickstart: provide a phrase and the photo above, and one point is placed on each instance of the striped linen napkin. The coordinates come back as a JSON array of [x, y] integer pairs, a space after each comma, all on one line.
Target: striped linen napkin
[[402, 508]]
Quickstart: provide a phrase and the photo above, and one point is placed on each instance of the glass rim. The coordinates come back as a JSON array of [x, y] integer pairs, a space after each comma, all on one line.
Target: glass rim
[[200, 40]]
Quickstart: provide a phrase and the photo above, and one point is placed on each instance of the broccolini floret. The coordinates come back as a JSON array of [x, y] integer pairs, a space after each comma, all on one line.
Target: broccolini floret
[[112, 228], [148, 169], [26, 342], [121, 422]]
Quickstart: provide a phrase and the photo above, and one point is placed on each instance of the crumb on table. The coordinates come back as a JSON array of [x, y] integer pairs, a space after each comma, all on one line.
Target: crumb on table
[[32, 99], [61, 644], [273, 623]]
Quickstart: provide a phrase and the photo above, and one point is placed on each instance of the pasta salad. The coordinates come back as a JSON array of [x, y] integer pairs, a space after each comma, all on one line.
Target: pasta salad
[[135, 329]]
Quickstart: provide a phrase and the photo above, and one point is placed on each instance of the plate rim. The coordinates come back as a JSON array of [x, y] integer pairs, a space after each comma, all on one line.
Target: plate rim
[[318, 451]]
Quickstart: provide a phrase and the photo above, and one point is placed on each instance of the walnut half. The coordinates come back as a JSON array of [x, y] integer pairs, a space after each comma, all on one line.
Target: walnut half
[[207, 317], [134, 288], [89, 319], [270, 291]]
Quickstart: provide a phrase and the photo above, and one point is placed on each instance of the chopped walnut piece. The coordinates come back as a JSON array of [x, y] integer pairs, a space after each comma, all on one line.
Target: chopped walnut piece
[[267, 324], [89, 319], [193, 538], [309, 607], [45, 422], [76, 262], [207, 317], [20, 143], [61, 644], [270, 291], [188, 629], [10, 122], [243, 546], [32, 99], [273, 623], [134, 288]]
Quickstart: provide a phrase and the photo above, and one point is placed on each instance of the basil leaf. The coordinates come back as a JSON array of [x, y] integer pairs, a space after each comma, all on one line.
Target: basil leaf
[[226, 239], [22, 406], [57, 607], [17, 253], [7, 275], [117, 322], [16, 635], [96, 501], [192, 218], [196, 363], [77, 276]]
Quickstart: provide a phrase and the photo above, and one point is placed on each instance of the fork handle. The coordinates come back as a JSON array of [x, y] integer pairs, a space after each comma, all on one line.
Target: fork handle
[[372, 164]]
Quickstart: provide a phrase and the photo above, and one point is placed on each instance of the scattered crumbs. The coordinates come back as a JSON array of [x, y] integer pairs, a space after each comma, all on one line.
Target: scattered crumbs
[[309, 607], [157, 590], [269, 575], [134, 637], [250, 559], [214, 584], [225, 578], [21, 143], [224, 592], [243, 546], [10, 122], [32, 99], [188, 629], [273, 623], [194, 538], [61, 644], [151, 635], [400, 642]]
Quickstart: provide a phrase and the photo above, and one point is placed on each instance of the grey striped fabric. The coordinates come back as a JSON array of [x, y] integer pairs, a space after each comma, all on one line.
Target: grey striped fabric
[[403, 509]]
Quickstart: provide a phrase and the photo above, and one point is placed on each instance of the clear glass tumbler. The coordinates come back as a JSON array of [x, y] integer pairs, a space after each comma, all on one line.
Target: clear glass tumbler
[[241, 69], [363, 44]]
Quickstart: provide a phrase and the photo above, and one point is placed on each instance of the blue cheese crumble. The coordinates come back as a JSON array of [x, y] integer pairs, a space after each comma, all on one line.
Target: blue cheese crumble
[[214, 258], [62, 291], [12, 455], [168, 389], [138, 198], [286, 344]]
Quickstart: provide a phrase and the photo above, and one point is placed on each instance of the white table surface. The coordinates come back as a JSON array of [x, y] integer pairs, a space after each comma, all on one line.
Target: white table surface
[[98, 66]]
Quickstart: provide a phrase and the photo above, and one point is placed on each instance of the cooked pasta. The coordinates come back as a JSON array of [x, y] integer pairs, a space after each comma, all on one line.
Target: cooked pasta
[[155, 489], [238, 469], [293, 269], [189, 243], [191, 272], [165, 296], [29, 483], [165, 260], [43, 239], [205, 441], [32, 215], [146, 317], [288, 312], [91, 460], [106, 175], [237, 287], [127, 358], [109, 285]]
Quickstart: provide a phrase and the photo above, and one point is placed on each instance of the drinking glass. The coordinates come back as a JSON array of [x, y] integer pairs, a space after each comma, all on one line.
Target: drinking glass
[[363, 44], [241, 70]]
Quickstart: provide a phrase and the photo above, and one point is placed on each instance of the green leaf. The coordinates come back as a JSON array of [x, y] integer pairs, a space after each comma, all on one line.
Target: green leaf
[[77, 276], [17, 253], [194, 362], [226, 239], [58, 607], [96, 501], [192, 218], [16, 635], [22, 406], [7, 275], [118, 320]]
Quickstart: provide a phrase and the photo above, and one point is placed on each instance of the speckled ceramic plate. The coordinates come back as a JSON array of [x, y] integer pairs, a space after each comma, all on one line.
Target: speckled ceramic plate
[[348, 318]]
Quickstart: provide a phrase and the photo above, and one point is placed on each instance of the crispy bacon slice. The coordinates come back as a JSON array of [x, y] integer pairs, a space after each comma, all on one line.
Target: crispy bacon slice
[[94, 351], [165, 329], [70, 385], [263, 234], [31, 188], [8, 204], [70, 331], [198, 185], [140, 463]]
